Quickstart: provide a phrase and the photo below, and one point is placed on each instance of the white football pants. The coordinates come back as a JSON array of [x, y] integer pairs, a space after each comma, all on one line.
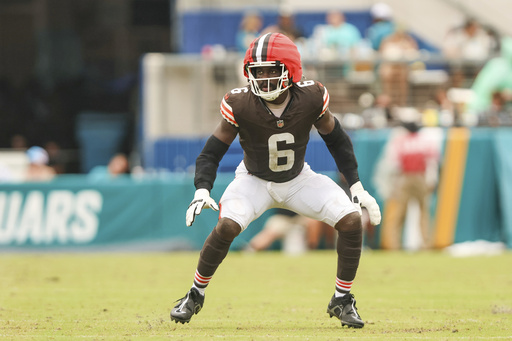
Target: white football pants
[[310, 194]]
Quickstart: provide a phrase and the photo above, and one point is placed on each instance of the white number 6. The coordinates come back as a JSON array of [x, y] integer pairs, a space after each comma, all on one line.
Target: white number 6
[[239, 90], [305, 83], [274, 154]]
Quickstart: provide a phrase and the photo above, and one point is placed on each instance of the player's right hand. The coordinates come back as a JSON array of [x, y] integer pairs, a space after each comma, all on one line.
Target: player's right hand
[[201, 200], [362, 198]]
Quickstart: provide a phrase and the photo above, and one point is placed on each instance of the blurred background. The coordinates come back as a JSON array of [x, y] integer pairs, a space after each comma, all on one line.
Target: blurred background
[[90, 89]]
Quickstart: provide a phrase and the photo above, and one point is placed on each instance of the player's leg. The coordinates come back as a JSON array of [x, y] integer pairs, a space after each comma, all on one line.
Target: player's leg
[[320, 198], [244, 200], [348, 247], [214, 251]]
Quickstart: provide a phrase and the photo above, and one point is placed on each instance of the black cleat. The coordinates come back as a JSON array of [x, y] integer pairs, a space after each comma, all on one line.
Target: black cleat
[[345, 309], [188, 306]]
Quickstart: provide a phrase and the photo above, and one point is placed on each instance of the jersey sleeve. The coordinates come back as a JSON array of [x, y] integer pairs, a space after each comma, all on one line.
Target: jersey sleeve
[[325, 101], [227, 112]]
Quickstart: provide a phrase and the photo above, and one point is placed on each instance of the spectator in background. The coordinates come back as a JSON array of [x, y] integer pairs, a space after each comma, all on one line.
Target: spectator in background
[[117, 166], [397, 50], [38, 169], [382, 25], [19, 141], [492, 88], [282, 225], [334, 40], [337, 37], [56, 158], [467, 44], [297, 232], [285, 25], [377, 111], [407, 171], [250, 27]]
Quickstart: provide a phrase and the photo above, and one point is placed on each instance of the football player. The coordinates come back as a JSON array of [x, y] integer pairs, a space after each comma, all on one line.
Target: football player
[[273, 117]]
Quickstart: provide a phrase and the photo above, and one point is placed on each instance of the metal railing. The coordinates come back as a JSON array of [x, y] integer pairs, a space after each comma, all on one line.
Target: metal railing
[[182, 93]]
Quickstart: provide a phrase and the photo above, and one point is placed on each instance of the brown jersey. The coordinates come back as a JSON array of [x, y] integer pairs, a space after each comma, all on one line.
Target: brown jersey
[[275, 147]]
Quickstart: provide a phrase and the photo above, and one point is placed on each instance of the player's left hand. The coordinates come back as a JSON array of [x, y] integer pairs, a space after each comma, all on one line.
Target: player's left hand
[[201, 200], [362, 198]]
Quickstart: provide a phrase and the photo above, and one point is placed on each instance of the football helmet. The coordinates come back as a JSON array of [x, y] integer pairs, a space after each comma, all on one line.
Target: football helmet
[[270, 50]]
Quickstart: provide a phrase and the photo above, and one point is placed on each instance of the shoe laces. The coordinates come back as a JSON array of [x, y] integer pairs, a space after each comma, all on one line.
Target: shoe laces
[[191, 294], [348, 298]]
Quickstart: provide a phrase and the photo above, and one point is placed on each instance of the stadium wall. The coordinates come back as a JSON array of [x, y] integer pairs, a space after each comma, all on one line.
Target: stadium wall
[[74, 213]]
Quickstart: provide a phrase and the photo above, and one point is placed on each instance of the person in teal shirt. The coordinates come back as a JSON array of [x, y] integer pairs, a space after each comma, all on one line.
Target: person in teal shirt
[[340, 35], [382, 25], [116, 168], [337, 39], [493, 81]]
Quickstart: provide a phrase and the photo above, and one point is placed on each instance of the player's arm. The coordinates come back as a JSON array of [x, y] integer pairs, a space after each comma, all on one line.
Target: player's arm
[[207, 164], [339, 145], [341, 148], [213, 151]]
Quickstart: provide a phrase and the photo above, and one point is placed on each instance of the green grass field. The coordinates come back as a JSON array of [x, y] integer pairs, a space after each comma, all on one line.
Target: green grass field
[[265, 296]]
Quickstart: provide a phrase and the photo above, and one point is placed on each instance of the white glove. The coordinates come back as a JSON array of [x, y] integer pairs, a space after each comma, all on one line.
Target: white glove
[[201, 200], [360, 197]]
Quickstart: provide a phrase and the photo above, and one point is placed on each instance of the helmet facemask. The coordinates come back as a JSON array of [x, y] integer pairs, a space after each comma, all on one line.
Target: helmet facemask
[[275, 85]]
